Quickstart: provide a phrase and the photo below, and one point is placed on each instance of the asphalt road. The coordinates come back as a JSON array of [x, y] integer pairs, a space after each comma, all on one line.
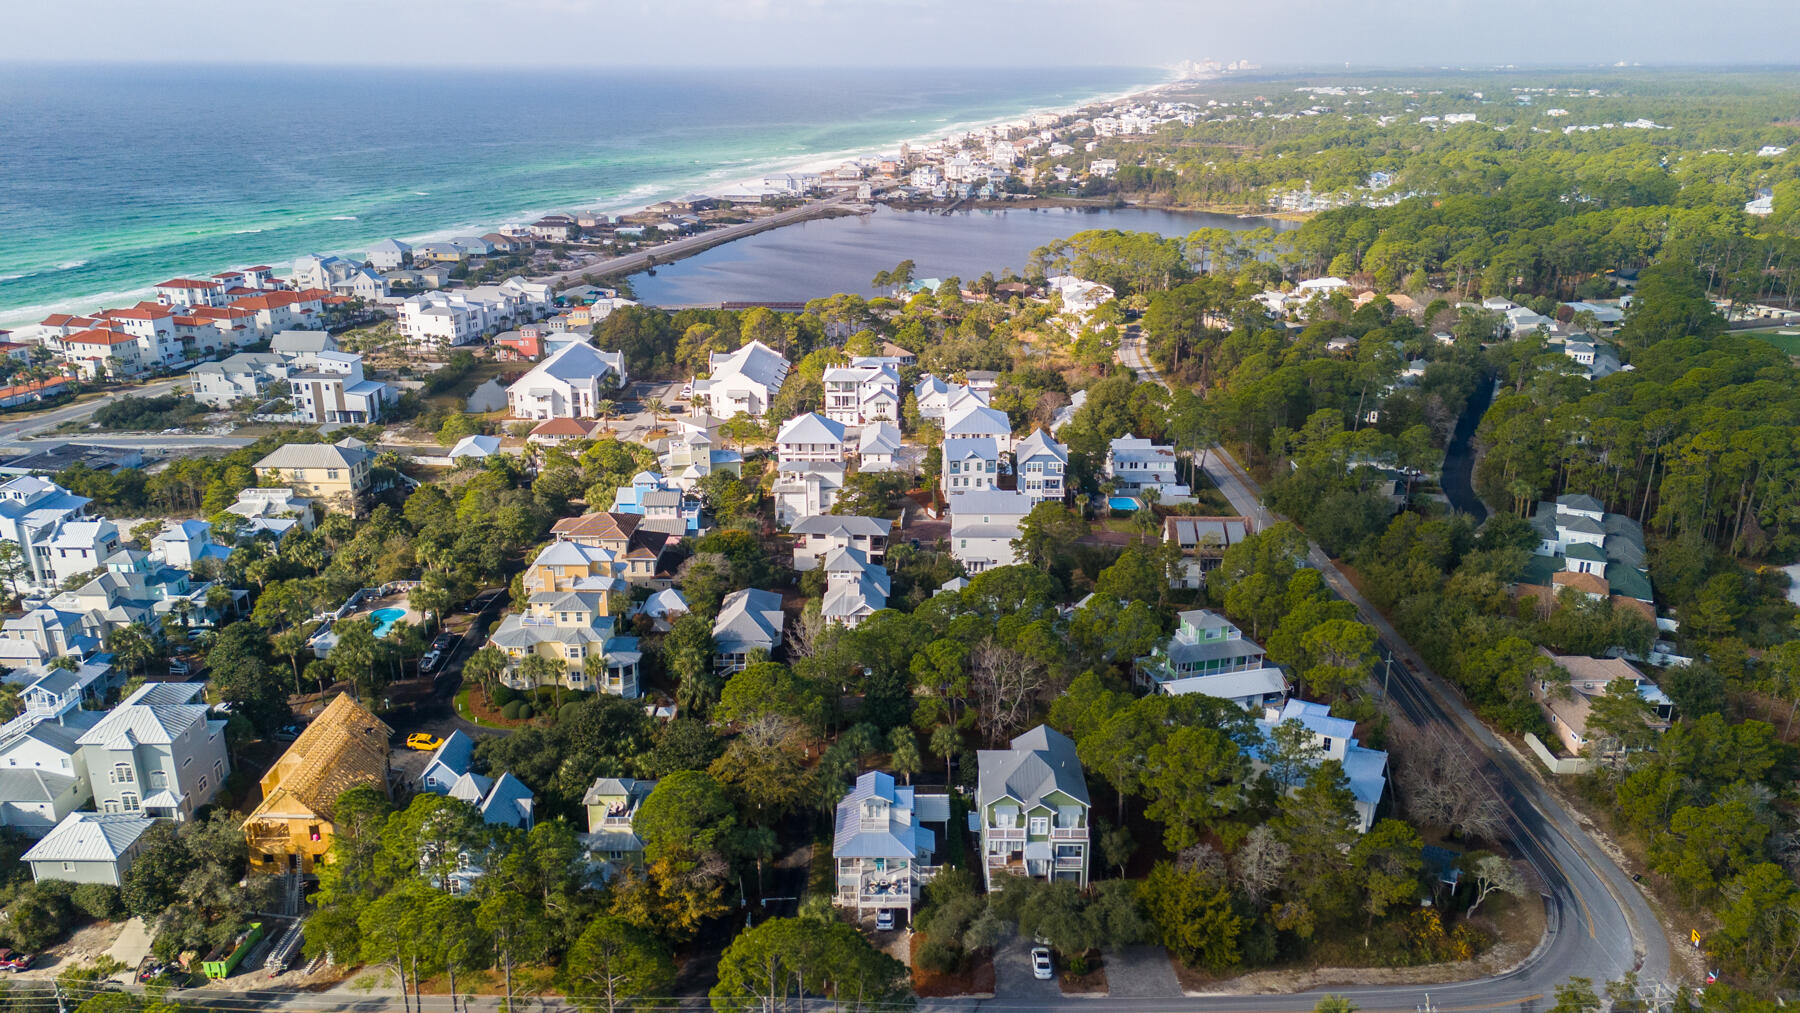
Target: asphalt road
[[26, 428]]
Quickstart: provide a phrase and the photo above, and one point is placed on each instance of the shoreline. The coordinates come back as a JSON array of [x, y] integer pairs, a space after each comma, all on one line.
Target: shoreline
[[636, 199]]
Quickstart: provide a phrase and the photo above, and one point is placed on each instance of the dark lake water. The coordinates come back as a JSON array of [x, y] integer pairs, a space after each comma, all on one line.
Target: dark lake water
[[821, 258]]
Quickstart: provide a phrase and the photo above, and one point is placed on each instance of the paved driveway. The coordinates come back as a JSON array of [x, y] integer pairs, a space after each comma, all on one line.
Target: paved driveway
[[1141, 972], [1012, 974]]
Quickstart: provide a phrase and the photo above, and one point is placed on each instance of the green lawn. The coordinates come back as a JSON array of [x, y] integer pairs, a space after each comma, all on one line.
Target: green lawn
[[1789, 343]]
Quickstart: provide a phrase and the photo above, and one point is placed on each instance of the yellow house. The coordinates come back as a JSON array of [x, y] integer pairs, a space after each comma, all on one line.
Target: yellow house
[[337, 474], [344, 747], [567, 627], [567, 566]]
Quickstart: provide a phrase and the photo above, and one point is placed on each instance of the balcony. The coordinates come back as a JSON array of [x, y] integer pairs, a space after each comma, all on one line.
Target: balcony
[[1069, 833]]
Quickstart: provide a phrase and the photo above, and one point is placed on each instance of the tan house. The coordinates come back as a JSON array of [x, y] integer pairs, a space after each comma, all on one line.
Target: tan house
[[1567, 711], [343, 748], [335, 474]]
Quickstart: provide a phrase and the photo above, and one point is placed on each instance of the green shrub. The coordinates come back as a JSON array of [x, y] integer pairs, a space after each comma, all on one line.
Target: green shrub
[[99, 901], [525, 711], [502, 695], [510, 710], [568, 711], [40, 916], [939, 956]]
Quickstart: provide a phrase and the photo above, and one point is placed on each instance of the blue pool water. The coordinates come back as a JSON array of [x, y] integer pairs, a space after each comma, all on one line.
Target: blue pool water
[[384, 620], [1116, 502]]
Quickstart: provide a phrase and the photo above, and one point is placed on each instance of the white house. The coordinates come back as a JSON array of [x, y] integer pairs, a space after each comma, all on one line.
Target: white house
[[1134, 465], [1335, 739], [568, 384], [1041, 465], [333, 389], [806, 489], [1080, 297], [973, 419], [32, 511], [859, 394], [876, 447], [810, 437], [983, 526], [817, 536], [236, 377], [389, 255], [744, 381]]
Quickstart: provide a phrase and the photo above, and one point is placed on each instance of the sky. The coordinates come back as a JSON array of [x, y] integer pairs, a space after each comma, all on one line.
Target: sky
[[804, 33]]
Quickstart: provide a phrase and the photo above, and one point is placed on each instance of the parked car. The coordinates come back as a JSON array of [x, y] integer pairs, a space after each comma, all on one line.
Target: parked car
[[443, 641], [1041, 967], [13, 960], [423, 740], [884, 920], [430, 661]]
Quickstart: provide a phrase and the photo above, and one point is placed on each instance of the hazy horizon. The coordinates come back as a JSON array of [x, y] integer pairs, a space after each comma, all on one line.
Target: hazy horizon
[[534, 35]]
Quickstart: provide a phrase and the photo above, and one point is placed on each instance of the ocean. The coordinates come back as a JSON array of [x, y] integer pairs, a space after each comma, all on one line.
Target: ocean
[[115, 178]]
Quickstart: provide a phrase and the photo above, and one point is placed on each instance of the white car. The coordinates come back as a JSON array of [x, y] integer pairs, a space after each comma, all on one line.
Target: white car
[[884, 920], [1041, 967]]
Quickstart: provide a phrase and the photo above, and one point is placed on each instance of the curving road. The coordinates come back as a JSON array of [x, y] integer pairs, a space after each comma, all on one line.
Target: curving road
[[1598, 925]]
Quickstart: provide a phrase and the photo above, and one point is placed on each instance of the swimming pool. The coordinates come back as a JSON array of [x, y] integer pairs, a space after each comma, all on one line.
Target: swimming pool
[[1118, 503], [384, 620]]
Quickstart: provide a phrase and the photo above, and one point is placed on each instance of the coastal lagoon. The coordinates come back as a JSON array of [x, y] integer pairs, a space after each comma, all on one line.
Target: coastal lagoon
[[117, 178], [826, 256]]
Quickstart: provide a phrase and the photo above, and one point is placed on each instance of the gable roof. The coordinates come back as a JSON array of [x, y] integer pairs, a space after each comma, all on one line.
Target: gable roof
[[748, 618], [345, 746], [1040, 761], [810, 428], [1039, 444], [755, 362]]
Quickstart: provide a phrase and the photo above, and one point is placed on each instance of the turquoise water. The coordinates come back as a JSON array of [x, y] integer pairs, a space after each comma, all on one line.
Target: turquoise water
[[385, 619], [115, 178], [1122, 503]]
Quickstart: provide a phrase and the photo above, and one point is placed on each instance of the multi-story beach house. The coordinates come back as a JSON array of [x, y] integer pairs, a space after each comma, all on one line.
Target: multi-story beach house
[[612, 804], [1202, 541], [817, 536], [806, 489], [859, 394], [1032, 802], [984, 525], [810, 437], [971, 418], [570, 384], [1209, 654], [334, 474], [1134, 465], [855, 588], [1333, 738], [156, 753], [333, 389], [970, 464], [749, 620], [1041, 465], [236, 377], [884, 853], [32, 511], [743, 382]]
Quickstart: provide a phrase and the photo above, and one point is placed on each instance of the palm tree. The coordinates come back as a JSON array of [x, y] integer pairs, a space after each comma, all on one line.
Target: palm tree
[[1081, 503], [485, 666], [605, 409], [655, 407], [537, 669]]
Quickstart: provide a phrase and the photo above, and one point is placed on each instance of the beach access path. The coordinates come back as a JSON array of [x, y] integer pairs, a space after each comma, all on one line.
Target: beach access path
[[632, 263]]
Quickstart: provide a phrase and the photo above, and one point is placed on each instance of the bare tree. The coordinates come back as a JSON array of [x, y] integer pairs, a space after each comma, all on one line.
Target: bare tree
[[806, 634], [1204, 859], [1494, 872], [1260, 863], [1439, 786], [1005, 683]]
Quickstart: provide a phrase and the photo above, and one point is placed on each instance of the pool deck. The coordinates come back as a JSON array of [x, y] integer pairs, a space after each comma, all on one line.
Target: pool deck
[[367, 609]]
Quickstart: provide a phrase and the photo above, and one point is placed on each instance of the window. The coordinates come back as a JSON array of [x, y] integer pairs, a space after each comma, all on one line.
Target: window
[[1040, 825], [123, 774], [130, 801]]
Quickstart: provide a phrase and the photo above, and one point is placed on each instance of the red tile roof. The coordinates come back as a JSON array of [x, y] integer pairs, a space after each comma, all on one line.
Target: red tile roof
[[142, 311], [188, 283], [34, 386], [57, 320], [564, 427], [268, 301], [99, 337]]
